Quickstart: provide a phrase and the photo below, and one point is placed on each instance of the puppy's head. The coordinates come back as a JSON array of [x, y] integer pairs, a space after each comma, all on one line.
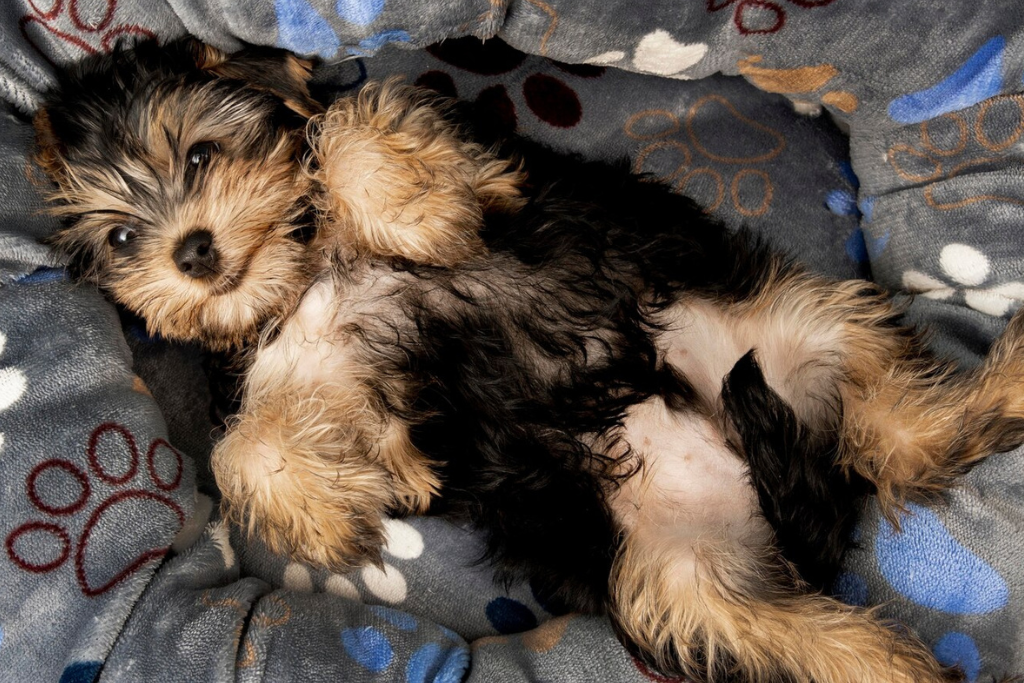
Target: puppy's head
[[179, 180]]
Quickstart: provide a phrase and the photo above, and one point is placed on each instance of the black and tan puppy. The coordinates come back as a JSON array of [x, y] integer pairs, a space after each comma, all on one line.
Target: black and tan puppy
[[648, 414]]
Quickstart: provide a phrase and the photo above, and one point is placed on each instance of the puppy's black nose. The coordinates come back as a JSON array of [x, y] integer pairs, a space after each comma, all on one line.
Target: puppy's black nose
[[195, 256]]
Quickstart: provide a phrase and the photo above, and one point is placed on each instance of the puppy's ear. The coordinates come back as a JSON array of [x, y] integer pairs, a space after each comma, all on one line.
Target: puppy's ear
[[275, 71], [49, 154]]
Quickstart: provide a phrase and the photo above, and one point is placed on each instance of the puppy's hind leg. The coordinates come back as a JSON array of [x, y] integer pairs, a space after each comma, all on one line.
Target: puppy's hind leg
[[698, 585], [716, 611], [908, 423], [912, 426]]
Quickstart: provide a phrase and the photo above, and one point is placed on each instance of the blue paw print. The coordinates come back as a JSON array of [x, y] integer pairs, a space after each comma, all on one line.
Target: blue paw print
[[368, 647], [81, 672], [860, 245], [301, 29], [379, 40], [437, 664], [958, 649], [978, 79], [402, 620], [927, 565], [360, 12]]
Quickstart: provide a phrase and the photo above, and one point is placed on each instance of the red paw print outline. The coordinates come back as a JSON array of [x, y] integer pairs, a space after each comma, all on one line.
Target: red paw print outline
[[91, 31], [753, 17], [60, 489]]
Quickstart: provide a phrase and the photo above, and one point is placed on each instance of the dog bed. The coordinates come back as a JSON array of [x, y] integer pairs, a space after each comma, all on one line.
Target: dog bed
[[116, 567]]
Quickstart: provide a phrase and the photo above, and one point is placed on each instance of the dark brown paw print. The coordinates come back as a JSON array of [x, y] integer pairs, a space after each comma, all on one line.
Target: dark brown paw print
[[550, 98]]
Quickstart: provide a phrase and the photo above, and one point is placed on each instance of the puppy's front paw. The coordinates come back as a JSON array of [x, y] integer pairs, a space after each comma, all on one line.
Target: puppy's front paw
[[288, 491]]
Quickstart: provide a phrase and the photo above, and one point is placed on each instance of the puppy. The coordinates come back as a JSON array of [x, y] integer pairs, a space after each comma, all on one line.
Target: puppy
[[648, 414]]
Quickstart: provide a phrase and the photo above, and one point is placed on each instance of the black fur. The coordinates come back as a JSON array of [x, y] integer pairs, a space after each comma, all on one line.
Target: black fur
[[597, 251], [542, 345], [811, 504]]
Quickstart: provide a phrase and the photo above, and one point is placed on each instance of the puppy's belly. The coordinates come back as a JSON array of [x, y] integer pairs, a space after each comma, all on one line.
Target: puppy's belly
[[692, 491]]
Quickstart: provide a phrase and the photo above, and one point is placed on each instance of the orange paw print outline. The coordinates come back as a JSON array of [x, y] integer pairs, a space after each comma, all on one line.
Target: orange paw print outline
[[957, 142], [60, 489], [750, 189], [800, 84]]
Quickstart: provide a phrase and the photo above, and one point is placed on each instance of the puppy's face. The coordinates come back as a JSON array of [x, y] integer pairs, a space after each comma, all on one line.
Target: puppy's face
[[179, 178]]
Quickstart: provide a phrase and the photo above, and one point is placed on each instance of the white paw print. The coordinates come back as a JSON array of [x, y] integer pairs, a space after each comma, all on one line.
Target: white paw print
[[12, 384], [385, 584], [967, 268]]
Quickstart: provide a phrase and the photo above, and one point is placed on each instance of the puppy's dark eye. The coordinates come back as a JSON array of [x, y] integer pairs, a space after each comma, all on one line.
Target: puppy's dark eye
[[121, 235], [199, 154]]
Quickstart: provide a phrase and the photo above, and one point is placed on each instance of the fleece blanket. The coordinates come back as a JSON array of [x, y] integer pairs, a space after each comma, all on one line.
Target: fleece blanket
[[114, 565]]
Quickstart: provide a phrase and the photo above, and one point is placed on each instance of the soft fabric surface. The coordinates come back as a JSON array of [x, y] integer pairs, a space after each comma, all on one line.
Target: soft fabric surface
[[98, 468]]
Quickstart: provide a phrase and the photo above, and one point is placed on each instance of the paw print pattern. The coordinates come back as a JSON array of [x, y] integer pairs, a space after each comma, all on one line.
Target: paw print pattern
[[385, 583], [443, 660], [804, 85], [110, 488], [696, 164], [759, 17], [91, 29], [550, 98], [968, 268], [659, 53], [959, 142], [301, 28]]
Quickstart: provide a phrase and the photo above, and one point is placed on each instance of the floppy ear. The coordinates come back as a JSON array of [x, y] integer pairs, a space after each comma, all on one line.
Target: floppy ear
[[275, 71], [49, 151]]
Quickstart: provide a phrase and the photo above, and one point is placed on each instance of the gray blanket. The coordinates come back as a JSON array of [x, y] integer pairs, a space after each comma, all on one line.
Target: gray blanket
[[113, 566]]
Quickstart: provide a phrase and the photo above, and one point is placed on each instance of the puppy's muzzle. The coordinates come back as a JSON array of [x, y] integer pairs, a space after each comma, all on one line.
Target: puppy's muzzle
[[195, 256]]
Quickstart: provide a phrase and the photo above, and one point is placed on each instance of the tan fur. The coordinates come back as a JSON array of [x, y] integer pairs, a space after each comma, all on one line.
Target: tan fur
[[314, 460], [909, 425], [316, 456], [696, 583], [690, 604], [250, 205], [399, 181]]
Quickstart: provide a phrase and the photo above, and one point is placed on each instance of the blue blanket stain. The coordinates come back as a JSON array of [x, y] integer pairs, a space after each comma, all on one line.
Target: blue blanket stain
[[301, 29], [978, 79], [927, 565]]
